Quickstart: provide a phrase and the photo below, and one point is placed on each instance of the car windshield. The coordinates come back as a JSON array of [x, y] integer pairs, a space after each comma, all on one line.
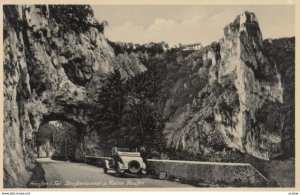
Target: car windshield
[[124, 150]]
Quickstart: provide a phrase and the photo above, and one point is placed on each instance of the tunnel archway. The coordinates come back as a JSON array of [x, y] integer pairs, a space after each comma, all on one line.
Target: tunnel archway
[[59, 139]]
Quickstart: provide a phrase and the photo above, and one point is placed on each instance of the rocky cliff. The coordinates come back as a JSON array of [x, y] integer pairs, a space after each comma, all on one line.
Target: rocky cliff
[[256, 80], [233, 109], [227, 95], [50, 73]]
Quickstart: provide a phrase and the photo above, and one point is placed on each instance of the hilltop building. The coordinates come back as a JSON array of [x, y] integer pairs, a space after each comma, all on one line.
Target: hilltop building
[[195, 46]]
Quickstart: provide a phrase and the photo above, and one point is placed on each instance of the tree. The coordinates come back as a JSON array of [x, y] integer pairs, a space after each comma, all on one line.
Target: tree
[[104, 23], [142, 111], [111, 98], [74, 17]]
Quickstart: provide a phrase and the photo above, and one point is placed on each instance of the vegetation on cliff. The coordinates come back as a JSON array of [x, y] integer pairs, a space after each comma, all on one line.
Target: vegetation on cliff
[[59, 66], [128, 115], [76, 18], [283, 52]]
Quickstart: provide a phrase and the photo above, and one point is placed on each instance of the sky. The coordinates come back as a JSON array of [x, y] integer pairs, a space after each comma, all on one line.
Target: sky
[[188, 23]]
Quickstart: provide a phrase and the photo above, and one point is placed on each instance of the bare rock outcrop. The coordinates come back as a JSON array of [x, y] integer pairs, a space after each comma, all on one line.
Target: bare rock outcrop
[[49, 74], [256, 79], [242, 82], [53, 73]]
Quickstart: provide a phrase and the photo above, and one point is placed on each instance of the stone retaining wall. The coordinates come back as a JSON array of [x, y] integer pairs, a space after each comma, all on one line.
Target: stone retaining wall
[[209, 173]]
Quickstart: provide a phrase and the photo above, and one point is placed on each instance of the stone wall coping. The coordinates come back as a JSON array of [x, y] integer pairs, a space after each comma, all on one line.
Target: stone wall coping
[[200, 162]]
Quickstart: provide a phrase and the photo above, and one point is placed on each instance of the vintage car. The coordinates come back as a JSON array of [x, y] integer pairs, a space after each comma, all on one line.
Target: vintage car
[[125, 161]]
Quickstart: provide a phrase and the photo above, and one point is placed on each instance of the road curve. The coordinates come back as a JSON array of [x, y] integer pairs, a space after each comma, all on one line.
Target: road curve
[[64, 174]]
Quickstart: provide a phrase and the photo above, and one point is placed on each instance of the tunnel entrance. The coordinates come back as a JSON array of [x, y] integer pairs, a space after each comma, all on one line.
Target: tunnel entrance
[[66, 140], [60, 140]]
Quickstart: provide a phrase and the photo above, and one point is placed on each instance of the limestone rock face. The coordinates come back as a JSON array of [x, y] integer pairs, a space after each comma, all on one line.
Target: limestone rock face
[[255, 77], [53, 74], [242, 80], [49, 74]]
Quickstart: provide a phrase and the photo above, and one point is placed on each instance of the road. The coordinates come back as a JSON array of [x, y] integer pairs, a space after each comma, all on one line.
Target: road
[[64, 174]]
